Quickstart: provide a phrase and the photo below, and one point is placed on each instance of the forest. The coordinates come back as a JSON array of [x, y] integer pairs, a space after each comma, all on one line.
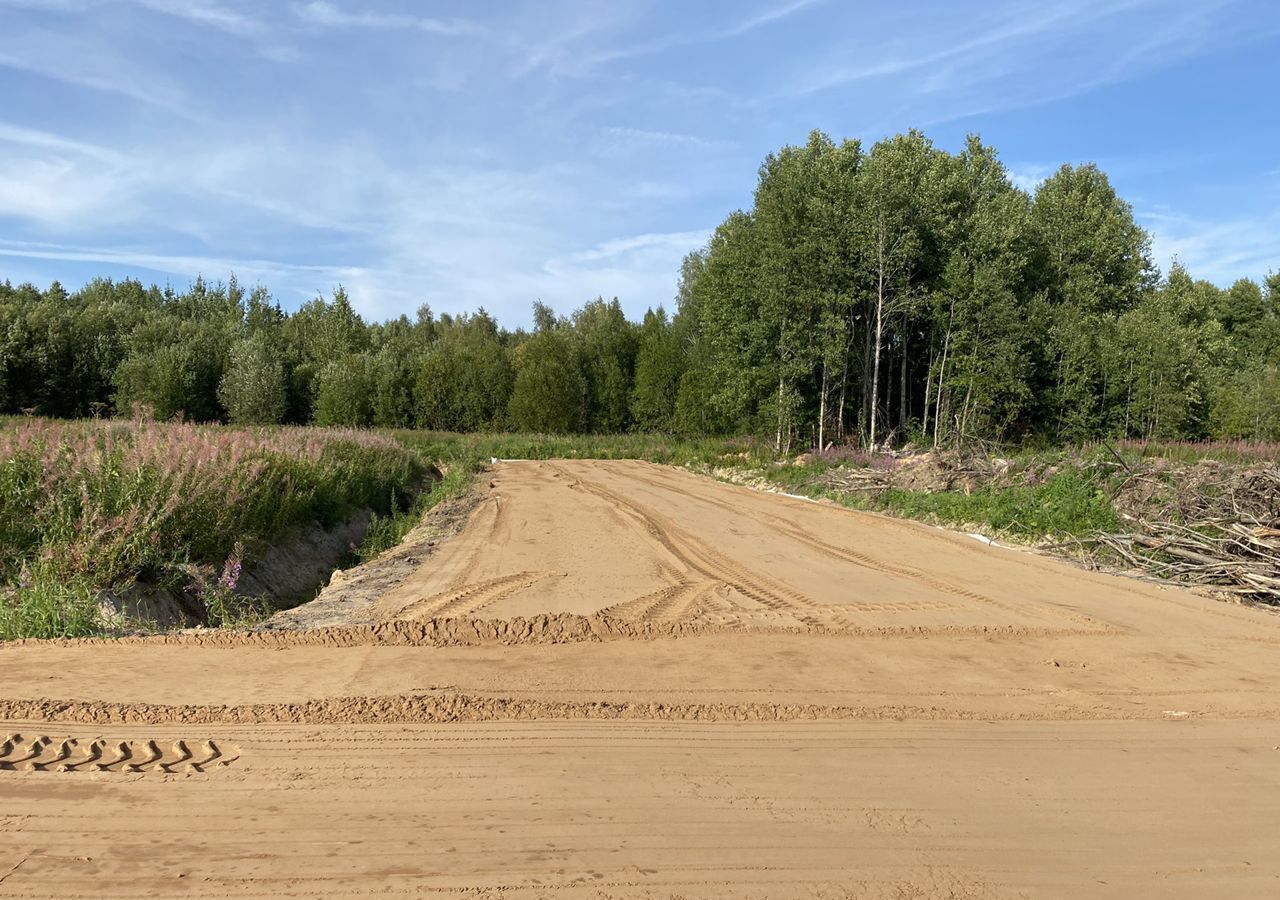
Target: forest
[[900, 293]]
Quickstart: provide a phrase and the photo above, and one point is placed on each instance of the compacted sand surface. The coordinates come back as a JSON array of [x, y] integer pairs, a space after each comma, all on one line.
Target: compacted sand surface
[[624, 680]]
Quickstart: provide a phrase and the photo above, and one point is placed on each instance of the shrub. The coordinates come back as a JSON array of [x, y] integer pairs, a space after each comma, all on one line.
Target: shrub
[[253, 389], [344, 391], [550, 393]]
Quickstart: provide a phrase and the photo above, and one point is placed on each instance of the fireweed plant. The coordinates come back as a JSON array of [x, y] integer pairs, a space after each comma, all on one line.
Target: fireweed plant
[[92, 506]]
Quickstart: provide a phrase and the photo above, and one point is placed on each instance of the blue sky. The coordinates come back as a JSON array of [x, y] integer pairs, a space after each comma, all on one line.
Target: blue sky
[[468, 154]]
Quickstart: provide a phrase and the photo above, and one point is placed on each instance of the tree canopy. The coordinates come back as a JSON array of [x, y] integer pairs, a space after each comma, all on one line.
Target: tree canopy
[[874, 295]]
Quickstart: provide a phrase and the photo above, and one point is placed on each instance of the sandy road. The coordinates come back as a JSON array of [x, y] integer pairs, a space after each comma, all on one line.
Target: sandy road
[[552, 705], [569, 810]]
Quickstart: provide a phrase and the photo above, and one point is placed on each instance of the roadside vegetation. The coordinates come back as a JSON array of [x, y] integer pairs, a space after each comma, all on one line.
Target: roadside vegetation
[[91, 510], [106, 506], [658, 448], [1205, 514], [388, 530]]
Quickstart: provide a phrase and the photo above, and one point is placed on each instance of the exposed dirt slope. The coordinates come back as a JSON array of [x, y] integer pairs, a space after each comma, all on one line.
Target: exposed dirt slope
[[605, 685]]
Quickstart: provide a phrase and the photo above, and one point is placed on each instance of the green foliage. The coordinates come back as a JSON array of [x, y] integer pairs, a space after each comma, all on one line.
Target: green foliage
[[550, 391], [46, 605], [981, 383], [1070, 503], [344, 393], [172, 380], [1251, 317], [1248, 405], [1165, 361], [909, 291], [464, 381], [867, 295], [389, 530], [607, 359], [1091, 253], [392, 377], [93, 506], [438, 400], [474, 450], [659, 362], [253, 389]]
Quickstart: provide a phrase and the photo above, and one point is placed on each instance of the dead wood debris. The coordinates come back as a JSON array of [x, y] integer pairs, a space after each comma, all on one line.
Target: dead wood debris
[[1209, 523]]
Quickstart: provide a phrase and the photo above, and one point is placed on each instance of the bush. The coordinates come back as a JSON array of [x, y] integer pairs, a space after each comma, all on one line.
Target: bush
[[344, 391], [173, 380], [550, 393], [253, 389]]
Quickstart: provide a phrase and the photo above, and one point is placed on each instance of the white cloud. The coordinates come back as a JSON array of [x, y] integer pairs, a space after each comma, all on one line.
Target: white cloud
[[78, 60], [322, 12], [1028, 177], [1217, 250], [658, 137], [51, 192], [504, 181], [767, 17], [962, 65], [31, 137], [251, 270], [985, 42], [681, 242], [201, 12], [689, 37], [457, 236]]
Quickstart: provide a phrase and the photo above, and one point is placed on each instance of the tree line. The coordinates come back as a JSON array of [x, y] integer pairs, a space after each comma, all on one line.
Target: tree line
[[883, 295]]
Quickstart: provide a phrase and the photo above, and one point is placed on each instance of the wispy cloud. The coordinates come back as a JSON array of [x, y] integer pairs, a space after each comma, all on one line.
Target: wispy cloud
[[561, 149], [51, 192], [205, 13], [647, 139], [322, 12], [694, 37], [31, 137], [679, 241], [1219, 250], [52, 6], [987, 39], [108, 79], [184, 265], [767, 17]]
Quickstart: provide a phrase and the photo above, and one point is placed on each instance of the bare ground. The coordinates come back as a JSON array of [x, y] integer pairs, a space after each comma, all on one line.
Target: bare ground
[[612, 679]]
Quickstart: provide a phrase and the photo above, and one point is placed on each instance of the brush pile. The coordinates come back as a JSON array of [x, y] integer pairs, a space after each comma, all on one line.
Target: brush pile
[[1197, 521], [1209, 524]]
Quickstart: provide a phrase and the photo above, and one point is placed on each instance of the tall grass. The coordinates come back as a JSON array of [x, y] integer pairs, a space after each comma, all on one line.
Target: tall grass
[[91, 506], [652, 447], [1233, 451], [387, 531]]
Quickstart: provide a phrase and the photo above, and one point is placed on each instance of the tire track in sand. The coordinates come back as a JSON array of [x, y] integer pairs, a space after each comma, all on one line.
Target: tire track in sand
[[452, 708], [42, 753], [472, 598], [694, 554], [678, 602], [800, 534]]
